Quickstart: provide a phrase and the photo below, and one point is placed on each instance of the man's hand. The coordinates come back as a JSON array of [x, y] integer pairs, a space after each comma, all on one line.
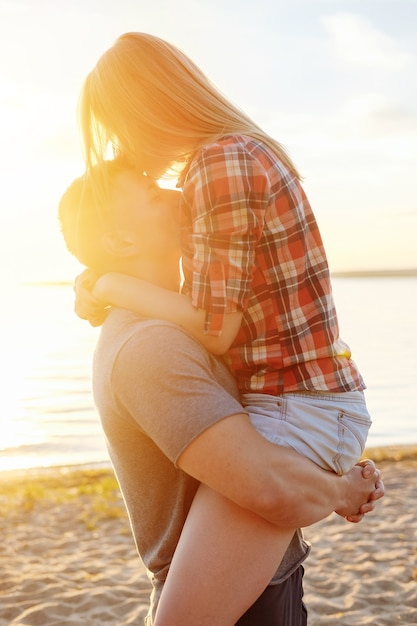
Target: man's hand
[[365, 487], [86, 306]]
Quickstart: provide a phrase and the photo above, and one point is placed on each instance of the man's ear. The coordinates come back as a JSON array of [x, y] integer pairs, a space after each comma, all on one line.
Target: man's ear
[[119, 243]]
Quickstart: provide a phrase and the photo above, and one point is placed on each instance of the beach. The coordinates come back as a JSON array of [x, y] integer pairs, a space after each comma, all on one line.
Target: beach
[[68, 557]]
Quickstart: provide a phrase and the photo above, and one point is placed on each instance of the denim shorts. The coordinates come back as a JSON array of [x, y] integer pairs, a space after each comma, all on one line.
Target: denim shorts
[[328, 428]]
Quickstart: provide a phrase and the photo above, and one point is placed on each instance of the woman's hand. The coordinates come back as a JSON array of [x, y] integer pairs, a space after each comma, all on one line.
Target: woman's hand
[[86, 306]]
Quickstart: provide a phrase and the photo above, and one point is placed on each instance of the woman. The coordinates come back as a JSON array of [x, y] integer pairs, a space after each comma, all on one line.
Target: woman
[[256, 289]]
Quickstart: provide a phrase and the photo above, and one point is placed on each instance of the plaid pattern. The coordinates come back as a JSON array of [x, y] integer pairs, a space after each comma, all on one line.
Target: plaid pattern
[[251, 243]]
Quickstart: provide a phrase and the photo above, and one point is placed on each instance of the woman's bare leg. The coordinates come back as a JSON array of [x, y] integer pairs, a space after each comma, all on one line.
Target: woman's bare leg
[[225, 558]]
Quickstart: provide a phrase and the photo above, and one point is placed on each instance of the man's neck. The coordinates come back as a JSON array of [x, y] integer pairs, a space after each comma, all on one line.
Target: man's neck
[[165, 275]]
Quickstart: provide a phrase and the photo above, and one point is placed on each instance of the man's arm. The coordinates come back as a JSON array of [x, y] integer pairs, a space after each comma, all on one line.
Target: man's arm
[[186, 402], [272, 481]]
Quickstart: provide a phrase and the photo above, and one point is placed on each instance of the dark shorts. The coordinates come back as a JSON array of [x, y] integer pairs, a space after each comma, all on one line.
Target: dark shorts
[[279, 605]]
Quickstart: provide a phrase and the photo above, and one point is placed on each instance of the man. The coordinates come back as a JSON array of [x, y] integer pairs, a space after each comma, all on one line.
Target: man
[[171, 414]]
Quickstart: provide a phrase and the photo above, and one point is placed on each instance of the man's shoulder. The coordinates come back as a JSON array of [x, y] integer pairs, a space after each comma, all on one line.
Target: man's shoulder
[[134, 348], [123, 327]]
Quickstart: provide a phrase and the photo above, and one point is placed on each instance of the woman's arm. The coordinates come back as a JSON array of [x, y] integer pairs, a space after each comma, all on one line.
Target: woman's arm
[[155, 302]]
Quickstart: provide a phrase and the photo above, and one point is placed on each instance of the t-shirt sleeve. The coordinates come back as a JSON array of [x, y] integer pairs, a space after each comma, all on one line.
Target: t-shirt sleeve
[[224, 202], [171, 387]]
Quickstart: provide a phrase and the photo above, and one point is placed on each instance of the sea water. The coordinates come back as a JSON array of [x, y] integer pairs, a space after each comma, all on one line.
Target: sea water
[[47, 414]]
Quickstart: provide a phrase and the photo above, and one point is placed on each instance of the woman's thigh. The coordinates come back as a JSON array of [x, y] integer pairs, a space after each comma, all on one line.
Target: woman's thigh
[[225, 558]]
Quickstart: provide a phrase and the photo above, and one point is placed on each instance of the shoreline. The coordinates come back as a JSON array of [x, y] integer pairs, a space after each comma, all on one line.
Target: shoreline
[[384, 453]]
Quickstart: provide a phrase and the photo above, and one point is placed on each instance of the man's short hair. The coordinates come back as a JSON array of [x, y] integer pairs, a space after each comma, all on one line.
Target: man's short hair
[[84, 213]]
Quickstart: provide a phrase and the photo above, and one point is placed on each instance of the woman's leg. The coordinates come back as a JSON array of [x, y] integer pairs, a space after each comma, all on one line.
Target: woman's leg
[[225, 558]]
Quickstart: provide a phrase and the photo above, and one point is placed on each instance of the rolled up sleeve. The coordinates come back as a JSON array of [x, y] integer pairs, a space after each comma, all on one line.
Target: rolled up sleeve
[[224, 201]]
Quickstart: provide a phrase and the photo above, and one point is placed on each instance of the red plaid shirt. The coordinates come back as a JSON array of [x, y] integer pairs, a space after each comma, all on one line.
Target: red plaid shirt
[[251, 243]]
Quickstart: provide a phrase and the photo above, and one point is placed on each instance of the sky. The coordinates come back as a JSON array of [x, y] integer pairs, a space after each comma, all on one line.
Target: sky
[[335, 81]]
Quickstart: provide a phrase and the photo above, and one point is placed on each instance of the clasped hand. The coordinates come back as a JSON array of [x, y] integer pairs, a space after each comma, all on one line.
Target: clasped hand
[[364, 478]]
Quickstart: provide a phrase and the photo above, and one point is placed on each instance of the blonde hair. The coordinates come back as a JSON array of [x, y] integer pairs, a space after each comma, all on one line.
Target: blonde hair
[[148, 100]]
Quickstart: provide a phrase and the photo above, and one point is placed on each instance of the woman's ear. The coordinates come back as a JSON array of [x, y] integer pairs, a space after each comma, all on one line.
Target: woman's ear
[[119, 243]]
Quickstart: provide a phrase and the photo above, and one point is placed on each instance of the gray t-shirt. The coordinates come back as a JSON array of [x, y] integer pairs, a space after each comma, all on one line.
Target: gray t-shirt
[[156, 389]]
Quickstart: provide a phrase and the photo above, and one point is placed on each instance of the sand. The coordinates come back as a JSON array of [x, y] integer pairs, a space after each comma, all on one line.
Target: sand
[[68, 558]]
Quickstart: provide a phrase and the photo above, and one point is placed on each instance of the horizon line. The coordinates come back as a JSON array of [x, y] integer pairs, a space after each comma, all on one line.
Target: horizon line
[[381, 273]]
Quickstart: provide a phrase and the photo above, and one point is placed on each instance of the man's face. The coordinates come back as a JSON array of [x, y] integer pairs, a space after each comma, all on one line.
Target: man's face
[[148, 213]]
